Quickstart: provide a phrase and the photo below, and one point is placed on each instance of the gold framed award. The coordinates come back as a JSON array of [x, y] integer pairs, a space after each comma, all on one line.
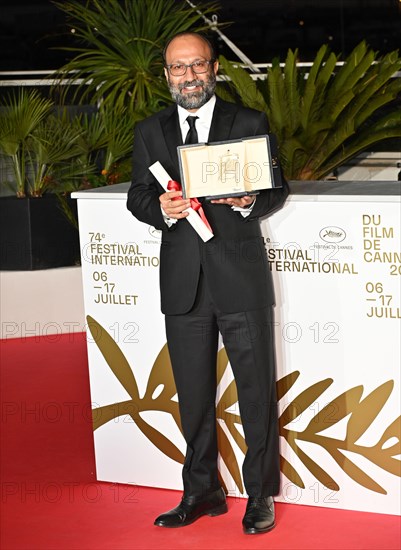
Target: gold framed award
[[229, 168]]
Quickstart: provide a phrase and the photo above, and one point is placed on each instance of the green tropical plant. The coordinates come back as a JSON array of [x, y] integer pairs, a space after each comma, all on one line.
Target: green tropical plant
[[329, 116], [119, 129], [106, 144], [118, 59], [21, 114], [40, 145], [53, 153]]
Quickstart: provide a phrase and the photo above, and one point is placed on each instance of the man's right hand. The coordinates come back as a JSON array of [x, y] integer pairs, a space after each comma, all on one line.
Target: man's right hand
[[173, 205]]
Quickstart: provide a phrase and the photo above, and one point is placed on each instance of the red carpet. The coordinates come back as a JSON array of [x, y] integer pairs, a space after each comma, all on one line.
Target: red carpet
[[50, 499]]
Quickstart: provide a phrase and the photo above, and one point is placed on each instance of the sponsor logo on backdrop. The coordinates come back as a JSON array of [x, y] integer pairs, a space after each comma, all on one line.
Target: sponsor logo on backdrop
[[156, 235], [323, 257], [332, 234]]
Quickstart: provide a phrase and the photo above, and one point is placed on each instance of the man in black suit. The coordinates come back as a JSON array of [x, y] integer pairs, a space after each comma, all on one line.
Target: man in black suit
[[223, 285]]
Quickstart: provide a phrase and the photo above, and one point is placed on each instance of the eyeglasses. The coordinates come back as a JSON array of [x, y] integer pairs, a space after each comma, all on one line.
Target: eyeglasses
[[198, 67]]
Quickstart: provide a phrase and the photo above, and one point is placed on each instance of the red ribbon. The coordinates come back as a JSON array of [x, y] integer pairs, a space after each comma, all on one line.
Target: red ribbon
[[195, 204]]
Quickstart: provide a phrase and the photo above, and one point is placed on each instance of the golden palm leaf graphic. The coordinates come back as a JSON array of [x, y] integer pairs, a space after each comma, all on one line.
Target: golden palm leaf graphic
[[160, 391]]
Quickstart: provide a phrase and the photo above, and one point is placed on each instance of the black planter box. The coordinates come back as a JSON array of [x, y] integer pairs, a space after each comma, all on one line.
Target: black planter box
[[35, 234]]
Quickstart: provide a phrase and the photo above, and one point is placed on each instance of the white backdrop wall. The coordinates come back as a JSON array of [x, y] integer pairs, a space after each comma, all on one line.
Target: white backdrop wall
[[41, 303], [336, 263]]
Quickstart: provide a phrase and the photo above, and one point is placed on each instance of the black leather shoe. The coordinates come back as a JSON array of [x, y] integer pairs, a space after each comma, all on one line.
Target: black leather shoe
[[193, 507], [259, 515]]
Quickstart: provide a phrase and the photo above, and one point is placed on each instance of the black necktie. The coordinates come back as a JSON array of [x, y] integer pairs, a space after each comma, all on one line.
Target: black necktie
[[192, 135]]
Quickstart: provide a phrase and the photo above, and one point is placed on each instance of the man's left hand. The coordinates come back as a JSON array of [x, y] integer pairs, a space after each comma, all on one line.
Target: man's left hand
[[242, 202]]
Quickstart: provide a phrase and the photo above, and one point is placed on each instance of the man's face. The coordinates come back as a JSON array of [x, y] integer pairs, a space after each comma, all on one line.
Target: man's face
[[190, 90]]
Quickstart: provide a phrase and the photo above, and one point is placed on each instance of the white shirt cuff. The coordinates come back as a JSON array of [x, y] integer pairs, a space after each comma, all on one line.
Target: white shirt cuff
[[169, 221], [244, 211]]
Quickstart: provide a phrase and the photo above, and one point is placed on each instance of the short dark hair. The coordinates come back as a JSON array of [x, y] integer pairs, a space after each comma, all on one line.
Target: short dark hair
[[190, 33]]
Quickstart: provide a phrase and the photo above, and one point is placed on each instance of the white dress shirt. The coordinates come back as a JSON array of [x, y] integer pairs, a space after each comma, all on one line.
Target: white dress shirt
[[204, 114]]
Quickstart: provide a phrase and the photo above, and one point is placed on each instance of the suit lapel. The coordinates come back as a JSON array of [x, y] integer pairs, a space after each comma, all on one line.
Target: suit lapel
[[172, 133], [222, 121]]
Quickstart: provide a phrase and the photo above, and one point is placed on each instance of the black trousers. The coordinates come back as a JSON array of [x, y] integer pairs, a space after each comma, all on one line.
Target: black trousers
[[249, 341]]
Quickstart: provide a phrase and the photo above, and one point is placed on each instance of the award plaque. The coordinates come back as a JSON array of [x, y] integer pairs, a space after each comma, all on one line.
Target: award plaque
[[229, 168]]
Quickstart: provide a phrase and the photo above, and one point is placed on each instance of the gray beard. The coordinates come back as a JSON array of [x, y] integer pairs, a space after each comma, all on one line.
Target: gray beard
[[193, 100]]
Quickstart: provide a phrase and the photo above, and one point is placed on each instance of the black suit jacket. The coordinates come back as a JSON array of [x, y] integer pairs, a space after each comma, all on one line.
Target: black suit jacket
[[234, 260]]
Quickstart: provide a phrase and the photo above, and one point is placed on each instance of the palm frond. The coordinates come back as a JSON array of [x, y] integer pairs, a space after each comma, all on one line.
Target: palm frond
[[309, 93], [240, 81], [119, 129], [53, 142], [387, 127], [292, 92], [276, 108], [22, 114]]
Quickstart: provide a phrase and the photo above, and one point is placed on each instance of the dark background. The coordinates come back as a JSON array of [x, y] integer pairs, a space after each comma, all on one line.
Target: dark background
[[262, 29]]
